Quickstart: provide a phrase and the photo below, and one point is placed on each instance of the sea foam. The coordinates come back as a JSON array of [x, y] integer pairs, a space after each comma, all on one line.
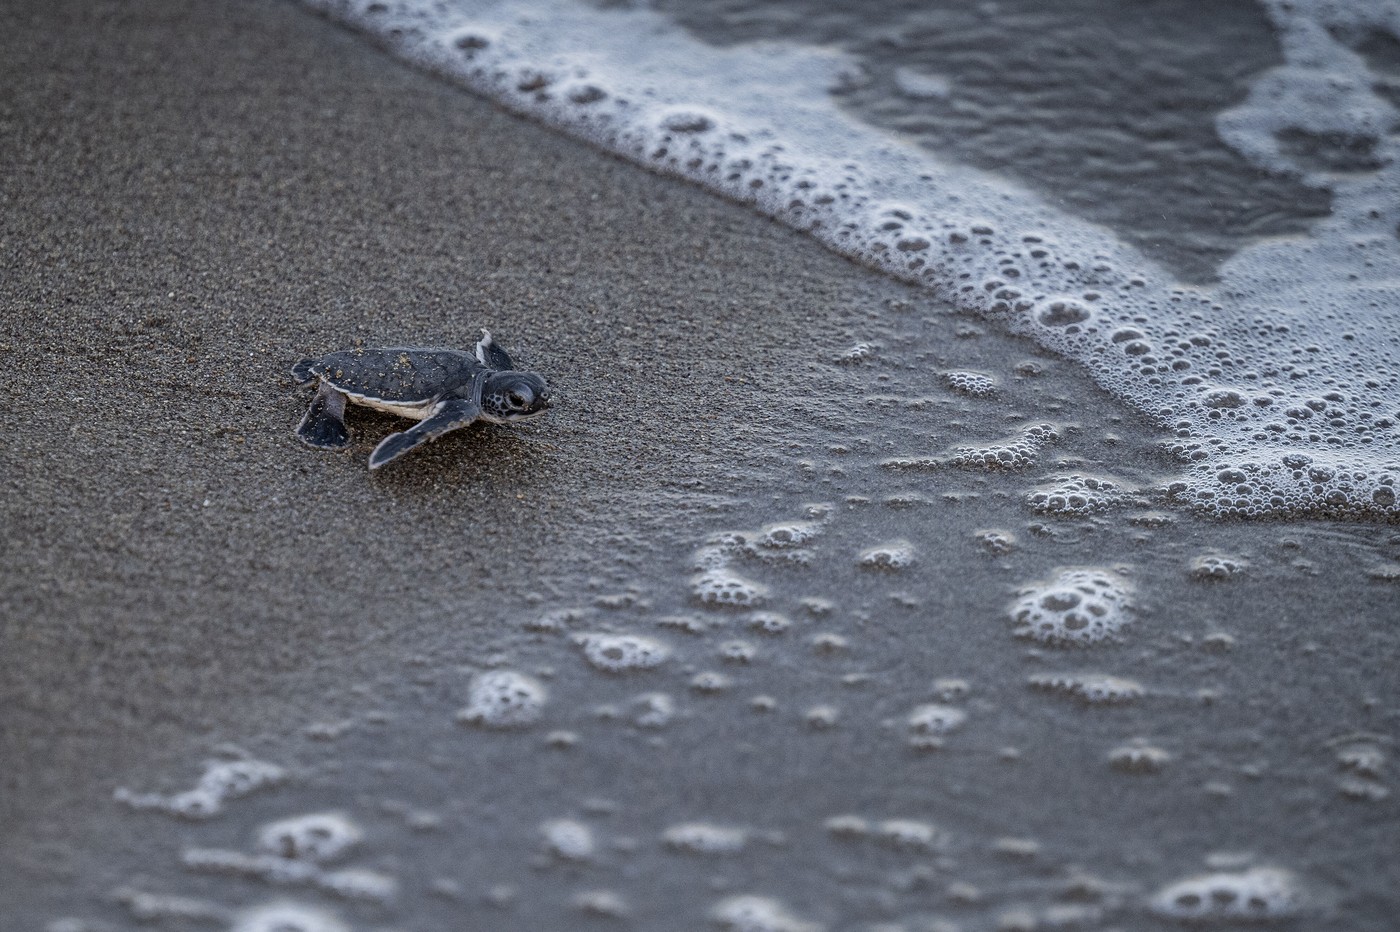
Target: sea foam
[[1279, 384]]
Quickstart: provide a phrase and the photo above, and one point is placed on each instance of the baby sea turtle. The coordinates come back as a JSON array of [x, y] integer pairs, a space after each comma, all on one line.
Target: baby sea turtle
[[442, 389]]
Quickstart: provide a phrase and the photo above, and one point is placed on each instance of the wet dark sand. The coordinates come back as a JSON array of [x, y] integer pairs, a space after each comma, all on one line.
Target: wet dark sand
[[196, 196]]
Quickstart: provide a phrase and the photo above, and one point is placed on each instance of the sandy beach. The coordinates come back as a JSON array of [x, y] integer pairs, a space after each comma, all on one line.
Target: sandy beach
[[197, 195]]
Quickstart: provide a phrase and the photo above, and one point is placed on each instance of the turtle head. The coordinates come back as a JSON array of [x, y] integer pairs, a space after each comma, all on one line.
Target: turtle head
[[513, 396]]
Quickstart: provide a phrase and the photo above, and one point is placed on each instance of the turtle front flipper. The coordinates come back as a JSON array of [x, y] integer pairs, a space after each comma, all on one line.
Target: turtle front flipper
[[449, 416], [324, 423], [490, 355]]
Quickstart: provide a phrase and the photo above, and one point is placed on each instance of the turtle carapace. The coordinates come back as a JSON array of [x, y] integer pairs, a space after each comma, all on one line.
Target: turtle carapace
[[442, 389]]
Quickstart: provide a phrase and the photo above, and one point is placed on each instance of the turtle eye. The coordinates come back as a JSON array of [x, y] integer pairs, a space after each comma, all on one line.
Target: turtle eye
[[518, 400]]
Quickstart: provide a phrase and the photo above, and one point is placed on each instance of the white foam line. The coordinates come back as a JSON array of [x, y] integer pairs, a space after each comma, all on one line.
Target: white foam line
[[1280, 384]]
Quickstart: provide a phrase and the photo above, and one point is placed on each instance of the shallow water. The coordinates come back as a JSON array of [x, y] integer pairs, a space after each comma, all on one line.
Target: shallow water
[[1278, 382], [1107, 108], [873, 616]]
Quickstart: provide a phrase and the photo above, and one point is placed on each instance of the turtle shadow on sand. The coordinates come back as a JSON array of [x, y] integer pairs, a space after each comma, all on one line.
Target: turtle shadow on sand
[[443, 389]]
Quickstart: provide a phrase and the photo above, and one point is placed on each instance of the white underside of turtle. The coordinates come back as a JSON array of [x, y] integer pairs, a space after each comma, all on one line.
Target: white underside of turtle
[[417, 410]]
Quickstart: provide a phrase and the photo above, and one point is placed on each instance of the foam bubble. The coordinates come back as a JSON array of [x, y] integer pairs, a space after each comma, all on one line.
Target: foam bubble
[[556, 620], [1138, 757], [688, 624], [1257, 894], [996, 541], [769, 622], [287, 917], [1092, 688], [895, 555], [353, 883], [622, 653], [653, 710], [860, 352], [319, 837], [154, 907], [220, 782], [711, 681], [569, 839], [759, 914], [1363, 762], [1363, 789], [716, 555], [266, 867], [1078, 607], [561, 740], [1218, 566], [1291, 356], [1078, 496], [737, 652], [848, 826], [1013, 453], [785, 535], [974, 384], [928, 723], [1362, 757], [504, 699], [605, 904], [920, 85], [705, 838], [723, 588], [763, 704], [358, 883], [907, 834]]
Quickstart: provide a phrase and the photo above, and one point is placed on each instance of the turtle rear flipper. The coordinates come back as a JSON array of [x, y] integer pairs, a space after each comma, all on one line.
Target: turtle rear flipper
[[302, 371], [449, 416], [324, 422]]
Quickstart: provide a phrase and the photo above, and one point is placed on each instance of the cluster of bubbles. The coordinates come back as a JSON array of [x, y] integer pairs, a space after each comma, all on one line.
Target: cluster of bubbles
[[221, 781], [569, 840], [717, 584], [1361, 762], [900, 834], [305, 850], [927, 725], [622, 653], [974, 384], [504, 699], [1078, 496], [1077, 608], [759, 914], [706, 838], [1259, 893], [287, 917], [297, 851], [1019, 452], [1138, 757], [895, 555], [1092, 688], [1280, 384], [1217, 566]]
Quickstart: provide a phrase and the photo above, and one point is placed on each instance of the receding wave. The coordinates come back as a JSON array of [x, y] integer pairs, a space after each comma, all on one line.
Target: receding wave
[[1279, 384]]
